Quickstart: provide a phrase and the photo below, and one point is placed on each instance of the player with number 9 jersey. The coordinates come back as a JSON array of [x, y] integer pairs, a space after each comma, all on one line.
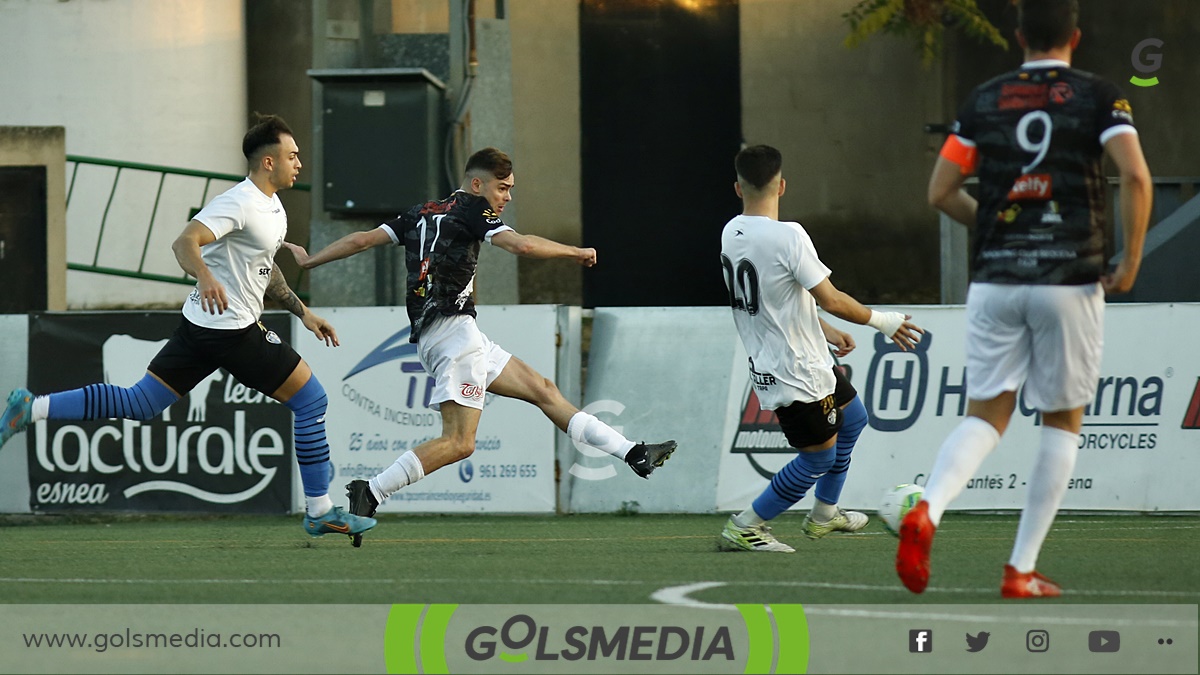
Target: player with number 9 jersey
[[1035, 306], [1038, 137]]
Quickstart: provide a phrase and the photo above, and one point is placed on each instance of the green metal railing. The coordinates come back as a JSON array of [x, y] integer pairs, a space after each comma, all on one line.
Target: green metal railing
[[163, 171]]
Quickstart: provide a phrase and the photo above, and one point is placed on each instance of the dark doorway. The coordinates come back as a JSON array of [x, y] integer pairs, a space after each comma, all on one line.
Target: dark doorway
[[22, 239], [661, 120]]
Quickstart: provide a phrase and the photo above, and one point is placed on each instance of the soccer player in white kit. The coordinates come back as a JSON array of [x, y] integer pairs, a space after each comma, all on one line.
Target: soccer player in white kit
[[1035, 306], [776, 281], [229, 247]]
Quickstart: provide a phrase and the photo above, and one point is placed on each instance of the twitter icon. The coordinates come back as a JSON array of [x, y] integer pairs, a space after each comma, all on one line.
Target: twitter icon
[[976, 643]]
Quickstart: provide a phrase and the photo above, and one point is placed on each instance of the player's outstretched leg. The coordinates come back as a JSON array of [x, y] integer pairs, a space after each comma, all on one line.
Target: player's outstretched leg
[[362, 503], [644, 458], [17, 415]]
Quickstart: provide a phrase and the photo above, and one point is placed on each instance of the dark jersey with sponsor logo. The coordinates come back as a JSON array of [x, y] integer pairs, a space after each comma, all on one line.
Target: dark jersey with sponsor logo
[[441, 251], [1039, 134]]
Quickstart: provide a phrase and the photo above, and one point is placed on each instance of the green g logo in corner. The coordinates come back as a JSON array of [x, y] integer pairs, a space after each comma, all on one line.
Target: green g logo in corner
[[1146, 63]]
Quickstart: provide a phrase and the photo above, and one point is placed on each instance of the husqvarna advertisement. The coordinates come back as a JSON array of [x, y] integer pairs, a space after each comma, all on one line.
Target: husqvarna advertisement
[[220, 448], [1138, 446]]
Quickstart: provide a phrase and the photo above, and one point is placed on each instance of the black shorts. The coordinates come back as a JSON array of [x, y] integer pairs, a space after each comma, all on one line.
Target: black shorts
[[806, 424], [255, 356]]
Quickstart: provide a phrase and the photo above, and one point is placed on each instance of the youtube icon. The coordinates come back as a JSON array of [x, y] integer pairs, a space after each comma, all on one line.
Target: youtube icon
[[1104, 641]]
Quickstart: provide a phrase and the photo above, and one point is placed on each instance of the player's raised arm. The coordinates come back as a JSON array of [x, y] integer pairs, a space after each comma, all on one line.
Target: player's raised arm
[[355, 242], [533, 246], [186, 248]]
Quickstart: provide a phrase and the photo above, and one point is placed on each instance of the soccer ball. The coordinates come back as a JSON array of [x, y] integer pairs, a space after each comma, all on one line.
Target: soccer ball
[[896, 502]]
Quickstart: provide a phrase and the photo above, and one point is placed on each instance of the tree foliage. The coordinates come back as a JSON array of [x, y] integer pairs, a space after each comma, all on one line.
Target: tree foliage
[[924, 21]]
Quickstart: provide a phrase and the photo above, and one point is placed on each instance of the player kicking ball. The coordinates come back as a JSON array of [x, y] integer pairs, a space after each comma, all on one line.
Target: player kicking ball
[[441, 241], [776, 282]]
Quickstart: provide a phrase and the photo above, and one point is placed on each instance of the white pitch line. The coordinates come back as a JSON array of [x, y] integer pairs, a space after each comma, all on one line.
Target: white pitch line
[[1110, 529], [935, 589], [989, 618], [678, 595]]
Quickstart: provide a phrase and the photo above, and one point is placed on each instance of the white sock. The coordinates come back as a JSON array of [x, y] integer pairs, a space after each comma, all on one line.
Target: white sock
[[959, 458], [40, 409], [1047, 485], [404, 471], [822, 512], [317, 506], [587, 429], [748, 518]]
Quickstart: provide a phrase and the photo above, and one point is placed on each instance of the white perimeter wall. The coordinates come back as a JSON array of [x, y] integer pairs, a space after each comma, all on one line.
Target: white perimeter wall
[[152, 81]]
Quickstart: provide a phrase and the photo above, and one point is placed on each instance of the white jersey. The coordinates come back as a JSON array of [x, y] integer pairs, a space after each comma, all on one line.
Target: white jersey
[[769, 267], [250, 228]]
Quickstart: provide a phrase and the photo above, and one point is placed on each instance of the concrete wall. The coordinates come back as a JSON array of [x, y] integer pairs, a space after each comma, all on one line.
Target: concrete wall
[[546, 141], [135, 80], [44, 146], [849, 124]]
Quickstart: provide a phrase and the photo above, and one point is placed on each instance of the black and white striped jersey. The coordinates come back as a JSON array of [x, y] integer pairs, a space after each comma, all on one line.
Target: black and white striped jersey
[[1039, 134], [441, 244]]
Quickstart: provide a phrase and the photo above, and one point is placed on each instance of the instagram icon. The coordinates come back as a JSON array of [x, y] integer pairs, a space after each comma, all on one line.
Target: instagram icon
[[1037, 640]]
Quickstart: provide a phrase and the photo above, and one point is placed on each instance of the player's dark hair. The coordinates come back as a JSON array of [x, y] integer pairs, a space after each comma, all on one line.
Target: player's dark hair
[[490, 161], [265, 133], [758, 165], [1047, 24]]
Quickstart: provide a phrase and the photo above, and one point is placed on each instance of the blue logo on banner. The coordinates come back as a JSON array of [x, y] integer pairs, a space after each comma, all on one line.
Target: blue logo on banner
[[896, 384], [392, 349], [398, 348], [466, 470]]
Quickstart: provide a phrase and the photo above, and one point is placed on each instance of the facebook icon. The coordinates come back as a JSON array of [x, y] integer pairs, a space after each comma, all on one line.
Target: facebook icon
[[920, 641]]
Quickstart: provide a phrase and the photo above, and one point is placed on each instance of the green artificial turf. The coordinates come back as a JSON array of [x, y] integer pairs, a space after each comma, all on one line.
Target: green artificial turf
[[570, 559]]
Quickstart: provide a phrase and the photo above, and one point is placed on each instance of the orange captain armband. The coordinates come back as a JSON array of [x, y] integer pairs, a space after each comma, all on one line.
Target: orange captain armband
[[962, 152]]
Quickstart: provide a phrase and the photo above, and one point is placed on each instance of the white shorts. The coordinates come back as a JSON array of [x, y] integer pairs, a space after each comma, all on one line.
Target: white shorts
[[1048, 337], [461, 359]]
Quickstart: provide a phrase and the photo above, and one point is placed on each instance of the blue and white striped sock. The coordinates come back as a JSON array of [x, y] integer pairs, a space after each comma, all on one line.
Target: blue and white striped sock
[[793, 482], [312, 449], [854, 419], [143, 401]]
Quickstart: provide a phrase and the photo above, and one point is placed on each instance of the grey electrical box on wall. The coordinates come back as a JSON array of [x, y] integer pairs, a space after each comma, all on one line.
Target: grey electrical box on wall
[[382, 146]]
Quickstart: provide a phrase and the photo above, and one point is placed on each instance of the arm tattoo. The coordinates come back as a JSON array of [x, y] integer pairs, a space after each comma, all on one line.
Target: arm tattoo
[[277, 289]]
